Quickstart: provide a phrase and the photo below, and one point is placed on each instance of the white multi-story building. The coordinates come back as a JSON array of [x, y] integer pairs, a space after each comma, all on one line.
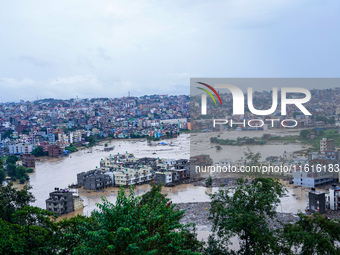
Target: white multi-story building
[[20, 148], [130, 176], [75, 137], [326, 145]]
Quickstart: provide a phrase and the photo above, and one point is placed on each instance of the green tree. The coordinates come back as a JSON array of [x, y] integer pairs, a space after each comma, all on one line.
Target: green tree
[[72, 233], [24, 229], [243, 211], [37, 228], [29, 170], [2, 173], [39, 152], [12, 159], [7, 134], [2, 176], [208, 181], [11, 169], [12, 200], [304, 133], [91, 140], [21, 173], [132, 227], [252, 158], [312, 235], [31, 232]]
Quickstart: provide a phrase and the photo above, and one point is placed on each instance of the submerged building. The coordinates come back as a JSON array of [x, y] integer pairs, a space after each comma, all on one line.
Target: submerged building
[[312, 180], [95, 179], [62, 201], [125, 169]]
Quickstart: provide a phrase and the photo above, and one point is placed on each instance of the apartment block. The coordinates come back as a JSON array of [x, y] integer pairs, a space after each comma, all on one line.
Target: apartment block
[[326, 145], [60, 202], [28, 160], [95, 179]]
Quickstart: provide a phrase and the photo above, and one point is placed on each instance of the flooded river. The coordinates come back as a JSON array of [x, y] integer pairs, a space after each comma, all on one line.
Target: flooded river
[[61, 172], [200, 144]]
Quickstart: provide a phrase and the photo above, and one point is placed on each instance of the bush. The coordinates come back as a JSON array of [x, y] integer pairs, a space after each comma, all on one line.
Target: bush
[[208, 182], [29, 170]]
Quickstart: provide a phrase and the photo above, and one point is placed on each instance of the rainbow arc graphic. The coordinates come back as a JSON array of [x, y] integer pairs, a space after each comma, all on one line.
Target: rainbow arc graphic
[[209, 93]]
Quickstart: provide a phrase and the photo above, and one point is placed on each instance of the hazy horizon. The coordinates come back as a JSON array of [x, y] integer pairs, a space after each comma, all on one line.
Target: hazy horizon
[[105, 48]]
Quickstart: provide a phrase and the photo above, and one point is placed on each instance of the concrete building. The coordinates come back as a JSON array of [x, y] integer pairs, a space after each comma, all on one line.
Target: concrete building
[[60, 202], [75, 137], [163, 177], [316, 201], [312, 180], [20, 148], [326, 145], [54, 151], [95, 180], [334, 197], [28, 160], [129, 176]]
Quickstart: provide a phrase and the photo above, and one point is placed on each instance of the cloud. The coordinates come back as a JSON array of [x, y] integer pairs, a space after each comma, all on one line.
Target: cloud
[[153, 46], [102, 53], [33, 60]]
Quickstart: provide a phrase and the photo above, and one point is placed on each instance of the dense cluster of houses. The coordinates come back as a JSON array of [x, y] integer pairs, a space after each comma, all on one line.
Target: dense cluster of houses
[[125, 169], [26, 125]]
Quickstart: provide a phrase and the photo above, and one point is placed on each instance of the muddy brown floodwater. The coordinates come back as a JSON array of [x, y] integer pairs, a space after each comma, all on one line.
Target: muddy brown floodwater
[[61, 172]]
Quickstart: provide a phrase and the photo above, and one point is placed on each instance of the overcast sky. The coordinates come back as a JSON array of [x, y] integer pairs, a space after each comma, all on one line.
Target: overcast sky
[[99, 48]]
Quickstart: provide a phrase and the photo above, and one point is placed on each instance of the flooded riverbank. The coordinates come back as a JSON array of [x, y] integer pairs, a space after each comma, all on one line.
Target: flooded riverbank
[[61, 172], [200, 144]]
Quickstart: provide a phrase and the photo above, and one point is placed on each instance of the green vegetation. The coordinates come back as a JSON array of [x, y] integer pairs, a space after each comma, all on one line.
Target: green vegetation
[[17, 172], [71, 148], [39, 152], [244, 212], [7, 134], [307, 136], [325, 119], [218, 147], [313, 137], [150, 224], [29, 170], [208, 181], [240, 141], [312, 235], [12, 159], [2, 173], [184, 131], [140, 226], [14, 171], [150, 138], [134, 225], [310, 136], [91, 139]]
